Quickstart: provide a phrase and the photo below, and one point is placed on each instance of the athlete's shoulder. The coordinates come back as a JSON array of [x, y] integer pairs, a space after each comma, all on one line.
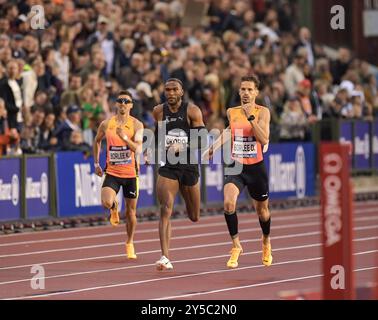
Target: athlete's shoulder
[[233, 109], [262, 108], [105, 123], [193, 107], [137, 123]]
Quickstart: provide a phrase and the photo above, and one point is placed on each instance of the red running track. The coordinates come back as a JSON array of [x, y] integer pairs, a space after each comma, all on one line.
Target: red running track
[[90, 263]]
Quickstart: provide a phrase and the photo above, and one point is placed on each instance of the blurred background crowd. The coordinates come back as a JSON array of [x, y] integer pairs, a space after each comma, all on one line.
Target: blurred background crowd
[[58, 83]]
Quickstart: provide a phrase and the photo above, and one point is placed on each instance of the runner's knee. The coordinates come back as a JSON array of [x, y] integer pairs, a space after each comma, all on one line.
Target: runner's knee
[[229, 205], [107, 203]]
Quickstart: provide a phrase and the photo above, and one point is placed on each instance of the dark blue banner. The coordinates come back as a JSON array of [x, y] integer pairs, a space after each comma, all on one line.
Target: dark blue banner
[[10, 189], [146, 186], [346, 136], [78, 187], [361, 145], [291, 170], [37, 187], [375, 144]]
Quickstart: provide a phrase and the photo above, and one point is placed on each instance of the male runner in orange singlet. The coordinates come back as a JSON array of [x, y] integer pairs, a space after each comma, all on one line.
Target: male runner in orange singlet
[[124, 137], [249, 124]]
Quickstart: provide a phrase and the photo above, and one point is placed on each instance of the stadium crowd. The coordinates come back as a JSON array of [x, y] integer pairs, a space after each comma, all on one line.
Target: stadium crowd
[[58, 83]]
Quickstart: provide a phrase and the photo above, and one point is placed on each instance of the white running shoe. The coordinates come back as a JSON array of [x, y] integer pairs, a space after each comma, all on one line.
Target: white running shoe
[[163, 264]]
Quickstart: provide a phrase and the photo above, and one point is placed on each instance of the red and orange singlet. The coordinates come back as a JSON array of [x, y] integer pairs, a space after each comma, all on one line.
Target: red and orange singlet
[[120, 160], [245, 148]]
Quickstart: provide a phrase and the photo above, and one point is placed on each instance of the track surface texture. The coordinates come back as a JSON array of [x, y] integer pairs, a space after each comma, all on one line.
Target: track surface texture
[[90, 263]]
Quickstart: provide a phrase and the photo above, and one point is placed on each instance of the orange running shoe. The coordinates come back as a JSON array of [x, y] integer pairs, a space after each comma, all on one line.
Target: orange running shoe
[[233, 261], [130, 251], [114, 216], [267, 257]]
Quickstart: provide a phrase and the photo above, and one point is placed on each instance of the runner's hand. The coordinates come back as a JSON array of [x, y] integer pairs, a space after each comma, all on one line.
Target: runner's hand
[[98, 170], [208, 154], [120, 133], [175, 147]]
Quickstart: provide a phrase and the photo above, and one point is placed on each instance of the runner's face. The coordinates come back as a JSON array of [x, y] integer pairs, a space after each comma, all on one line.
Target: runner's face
[[173, 92], [124, 107], [248, 92]]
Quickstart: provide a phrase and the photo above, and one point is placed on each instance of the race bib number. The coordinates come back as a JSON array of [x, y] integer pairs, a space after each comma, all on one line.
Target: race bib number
[[119, 155], [176, 138], [244, 147]]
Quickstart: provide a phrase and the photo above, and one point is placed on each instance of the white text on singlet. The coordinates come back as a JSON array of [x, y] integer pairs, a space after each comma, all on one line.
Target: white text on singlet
[[119, 155], [244, 147]]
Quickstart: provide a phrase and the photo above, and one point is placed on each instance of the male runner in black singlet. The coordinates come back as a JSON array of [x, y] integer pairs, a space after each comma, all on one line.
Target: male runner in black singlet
[[176, 173]]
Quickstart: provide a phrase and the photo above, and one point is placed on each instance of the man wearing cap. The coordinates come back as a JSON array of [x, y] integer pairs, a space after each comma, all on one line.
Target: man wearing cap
[[72, 123]]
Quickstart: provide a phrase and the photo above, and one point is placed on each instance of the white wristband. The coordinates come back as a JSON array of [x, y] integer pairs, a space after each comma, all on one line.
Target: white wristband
[[96, 164], [125, 137]]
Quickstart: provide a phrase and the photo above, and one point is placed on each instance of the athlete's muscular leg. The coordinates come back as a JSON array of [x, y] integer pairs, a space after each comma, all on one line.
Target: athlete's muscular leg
[[262, 209], [192, 197], [166, 193], [231, 193], [131, 219], [108, 196]]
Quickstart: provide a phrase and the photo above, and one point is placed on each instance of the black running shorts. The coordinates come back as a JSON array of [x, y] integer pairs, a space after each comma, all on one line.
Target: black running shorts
[[255, 178], [185, 177], [130, 186]]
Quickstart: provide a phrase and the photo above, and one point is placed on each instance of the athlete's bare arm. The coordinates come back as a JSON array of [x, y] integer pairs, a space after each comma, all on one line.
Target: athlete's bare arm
[[135, 144], [195, 116], [261, 125], [97, 146], [157, 112], [221, 140]]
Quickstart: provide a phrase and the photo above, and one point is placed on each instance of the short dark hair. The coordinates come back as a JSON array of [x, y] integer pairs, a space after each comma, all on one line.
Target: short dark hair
[[125, 93], [175, 80], [252, 78]]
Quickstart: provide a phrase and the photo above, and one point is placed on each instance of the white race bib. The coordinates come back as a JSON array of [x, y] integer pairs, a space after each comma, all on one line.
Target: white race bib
[[119, 155], [244, 147], [173, 137]]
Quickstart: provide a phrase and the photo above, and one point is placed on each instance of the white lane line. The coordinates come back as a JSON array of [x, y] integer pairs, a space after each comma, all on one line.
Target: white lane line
[[255, 285], [175, 249], [207, 217], [171, 278], [177, 262], [188, 227], [112, 244], [366, 207]]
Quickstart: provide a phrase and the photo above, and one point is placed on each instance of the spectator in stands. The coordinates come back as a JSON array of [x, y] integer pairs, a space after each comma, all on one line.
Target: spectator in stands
[[71, 123], [11, 92], [306, 42], [47, 141], [31, 131], [76, 143], [293, 122], [71, 95], [294, 73], [340, 66]]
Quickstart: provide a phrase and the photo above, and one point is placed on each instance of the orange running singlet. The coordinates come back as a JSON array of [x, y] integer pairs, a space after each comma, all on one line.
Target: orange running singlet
[[245, 148], [120, 160]]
